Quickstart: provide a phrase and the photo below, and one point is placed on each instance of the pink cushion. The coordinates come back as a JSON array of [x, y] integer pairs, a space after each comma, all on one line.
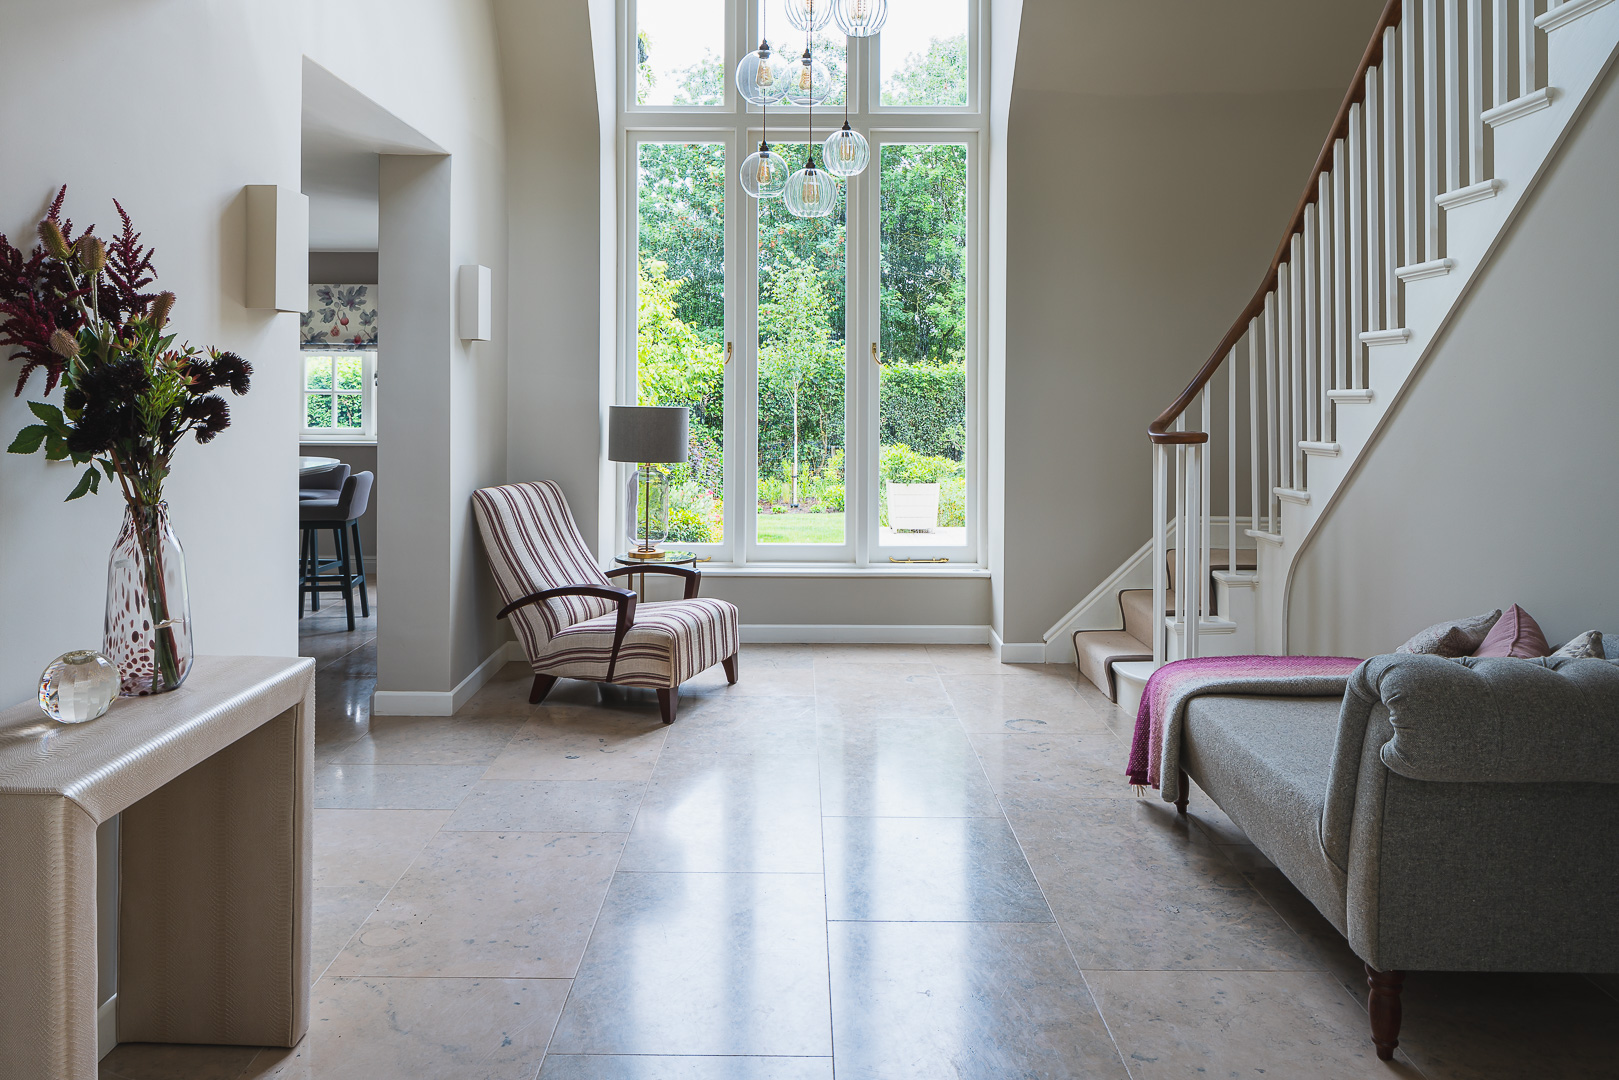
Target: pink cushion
[[1514, 634]]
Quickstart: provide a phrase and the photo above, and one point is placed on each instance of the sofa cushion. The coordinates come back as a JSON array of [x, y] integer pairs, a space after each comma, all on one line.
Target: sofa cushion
[[1514, 634], [1265, 762], [1584, 646], [1454, 637]]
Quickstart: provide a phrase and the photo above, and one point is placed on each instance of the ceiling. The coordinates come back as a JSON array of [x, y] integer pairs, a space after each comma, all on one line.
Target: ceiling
[[1163, 47]]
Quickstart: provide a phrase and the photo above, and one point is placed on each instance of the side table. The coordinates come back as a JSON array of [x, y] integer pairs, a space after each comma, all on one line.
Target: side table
[[214, 784], [670, 558]]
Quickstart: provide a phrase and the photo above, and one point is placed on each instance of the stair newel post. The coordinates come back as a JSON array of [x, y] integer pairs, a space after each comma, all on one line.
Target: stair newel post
[[1160, 548], [1205, 561]]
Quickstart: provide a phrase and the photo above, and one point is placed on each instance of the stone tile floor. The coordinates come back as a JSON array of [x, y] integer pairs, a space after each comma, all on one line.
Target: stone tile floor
[[875, 862]]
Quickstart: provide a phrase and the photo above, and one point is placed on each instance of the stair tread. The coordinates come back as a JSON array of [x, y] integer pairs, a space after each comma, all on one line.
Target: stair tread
[[1218, 560], [1097, 650], [1137, 607]]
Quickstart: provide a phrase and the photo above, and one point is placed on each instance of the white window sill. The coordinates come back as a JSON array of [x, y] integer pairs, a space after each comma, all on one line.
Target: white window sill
[[843, 570], [311, 438]]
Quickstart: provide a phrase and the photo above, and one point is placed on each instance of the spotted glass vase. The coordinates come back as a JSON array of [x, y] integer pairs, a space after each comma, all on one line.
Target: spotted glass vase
[[148, 628]]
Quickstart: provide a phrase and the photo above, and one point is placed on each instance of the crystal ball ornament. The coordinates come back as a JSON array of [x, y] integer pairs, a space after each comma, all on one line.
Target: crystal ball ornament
[[78, 686], [860, 18], [811, 192], [762, 76], [809, 82], [764, 173], [807, 15], [847, 152]]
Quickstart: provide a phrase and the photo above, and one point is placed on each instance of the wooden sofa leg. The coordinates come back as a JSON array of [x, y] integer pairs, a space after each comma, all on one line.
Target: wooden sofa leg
[[730, 668], [668, 701], [1186, 786], [1384, 1005], [542, 686]]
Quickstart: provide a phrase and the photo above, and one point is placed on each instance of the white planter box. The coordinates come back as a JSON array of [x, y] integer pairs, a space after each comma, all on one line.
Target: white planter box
[[913, 506]]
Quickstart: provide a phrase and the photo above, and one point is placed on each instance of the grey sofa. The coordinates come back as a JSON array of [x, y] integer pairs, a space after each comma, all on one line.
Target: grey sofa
[[1458, 815]]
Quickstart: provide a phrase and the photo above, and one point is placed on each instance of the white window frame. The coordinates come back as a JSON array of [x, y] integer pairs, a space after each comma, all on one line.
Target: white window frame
[[736, 124], [367, 394]]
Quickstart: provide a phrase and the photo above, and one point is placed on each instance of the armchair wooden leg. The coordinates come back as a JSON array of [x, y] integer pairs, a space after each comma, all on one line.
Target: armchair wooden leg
[[730, 668], [668, 702], [542, 686], [1186, 791], [1384, 1005]]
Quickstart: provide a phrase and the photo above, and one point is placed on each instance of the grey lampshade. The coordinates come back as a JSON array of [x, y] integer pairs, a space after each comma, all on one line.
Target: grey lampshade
[[655, 434]]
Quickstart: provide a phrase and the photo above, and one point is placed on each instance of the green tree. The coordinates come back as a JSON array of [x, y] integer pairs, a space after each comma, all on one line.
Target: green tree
[[675, 366], [703, 83], [923, 208], [936, 76], [681, 197], [798, 355]]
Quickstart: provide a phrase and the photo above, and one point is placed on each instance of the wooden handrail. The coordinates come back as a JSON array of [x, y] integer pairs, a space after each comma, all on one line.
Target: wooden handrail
[[1159, 430]]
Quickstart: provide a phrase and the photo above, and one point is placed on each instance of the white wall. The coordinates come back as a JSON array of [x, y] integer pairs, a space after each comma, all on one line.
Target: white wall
[[1495, 480]]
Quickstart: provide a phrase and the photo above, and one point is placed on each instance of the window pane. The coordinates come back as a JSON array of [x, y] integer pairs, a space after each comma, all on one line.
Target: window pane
[[923, 48], [350, 372], [317, 411], [801, 372], [680, 322], [922, 403], [318, 372], [828, 45], [680, 50], [349, 412]]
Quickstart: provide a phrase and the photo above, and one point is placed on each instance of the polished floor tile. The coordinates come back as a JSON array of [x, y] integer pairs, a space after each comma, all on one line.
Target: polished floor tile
[[424, 1029], [704, 964], [882, 689], [338, 913], [1197, 1024], [650, 1067], [430, 740], [157, 1061], [1022, 706], [974, 1001], [729, 812], [731, 725], [393, 787], [963, 869], [900, 767], [489, 905], [1050, 772], [981, 660], [549, 806], [370, 848], [570, 742]]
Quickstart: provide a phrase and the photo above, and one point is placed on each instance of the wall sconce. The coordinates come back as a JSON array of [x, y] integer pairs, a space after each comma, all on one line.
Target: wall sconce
[[476, 314], [277, 248]]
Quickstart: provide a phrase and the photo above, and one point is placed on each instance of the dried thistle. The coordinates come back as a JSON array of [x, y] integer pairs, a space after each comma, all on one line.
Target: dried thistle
[[50, 234], [158, 315], [64, 344]]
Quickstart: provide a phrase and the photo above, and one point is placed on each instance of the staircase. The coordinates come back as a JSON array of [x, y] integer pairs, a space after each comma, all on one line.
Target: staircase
[[1457, 108]]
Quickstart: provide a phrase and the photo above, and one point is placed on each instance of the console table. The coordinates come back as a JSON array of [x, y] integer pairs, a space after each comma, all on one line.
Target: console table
[[214, 784]]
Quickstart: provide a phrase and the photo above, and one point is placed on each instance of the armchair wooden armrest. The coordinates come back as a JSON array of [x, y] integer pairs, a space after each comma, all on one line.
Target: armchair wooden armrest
[[624, 598], [693, 576]]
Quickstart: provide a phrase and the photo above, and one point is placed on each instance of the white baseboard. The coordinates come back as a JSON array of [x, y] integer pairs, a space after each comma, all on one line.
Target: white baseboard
[[106, 1027], [444, 702], [865, 634]]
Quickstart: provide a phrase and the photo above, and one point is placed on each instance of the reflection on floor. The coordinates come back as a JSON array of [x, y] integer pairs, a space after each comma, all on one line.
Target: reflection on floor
[[879, 861]]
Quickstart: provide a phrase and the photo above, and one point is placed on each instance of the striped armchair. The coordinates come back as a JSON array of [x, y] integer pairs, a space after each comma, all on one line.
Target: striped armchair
[[574, 623]]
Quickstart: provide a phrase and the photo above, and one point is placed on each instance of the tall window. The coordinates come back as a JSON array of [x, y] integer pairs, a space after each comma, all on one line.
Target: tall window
[[831, 364]]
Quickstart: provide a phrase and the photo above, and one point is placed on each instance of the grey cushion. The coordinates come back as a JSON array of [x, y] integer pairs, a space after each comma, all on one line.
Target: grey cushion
[[1454, 637], [1496, 720], [1265, 762]]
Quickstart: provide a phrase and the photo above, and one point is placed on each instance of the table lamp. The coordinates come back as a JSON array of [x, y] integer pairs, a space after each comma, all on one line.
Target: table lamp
[[646, 435]]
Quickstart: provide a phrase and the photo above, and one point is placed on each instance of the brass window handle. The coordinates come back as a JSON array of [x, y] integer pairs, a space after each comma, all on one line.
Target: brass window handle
[[874, 359], [727, 352]]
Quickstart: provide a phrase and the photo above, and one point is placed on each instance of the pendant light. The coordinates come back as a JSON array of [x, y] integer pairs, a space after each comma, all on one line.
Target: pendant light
[[764, 173], [763, 76], [808, 15], [860, 18], [846, 152], [810, 82]]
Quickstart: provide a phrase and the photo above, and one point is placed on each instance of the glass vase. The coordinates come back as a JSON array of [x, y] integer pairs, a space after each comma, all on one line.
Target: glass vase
[[148, 628]]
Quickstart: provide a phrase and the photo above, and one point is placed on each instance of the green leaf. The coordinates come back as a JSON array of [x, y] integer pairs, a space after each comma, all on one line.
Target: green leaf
[[48, 413], [55, 447], [28, 439], [87, 483]]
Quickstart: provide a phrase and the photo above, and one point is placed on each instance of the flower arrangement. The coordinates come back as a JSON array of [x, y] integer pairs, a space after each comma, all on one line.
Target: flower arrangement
[[76, 308]]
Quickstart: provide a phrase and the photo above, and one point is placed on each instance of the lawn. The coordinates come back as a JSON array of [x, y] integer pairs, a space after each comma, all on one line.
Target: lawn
[[800, 528]]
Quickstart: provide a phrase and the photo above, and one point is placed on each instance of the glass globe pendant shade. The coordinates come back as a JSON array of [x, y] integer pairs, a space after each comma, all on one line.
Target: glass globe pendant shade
[[860, 18], [811, 192], [847, 152], [764, 173], [808, 15], [809, 82], [762, 76]]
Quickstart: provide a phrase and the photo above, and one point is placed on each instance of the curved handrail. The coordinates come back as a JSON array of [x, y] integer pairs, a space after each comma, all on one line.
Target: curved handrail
[[1159, 430]]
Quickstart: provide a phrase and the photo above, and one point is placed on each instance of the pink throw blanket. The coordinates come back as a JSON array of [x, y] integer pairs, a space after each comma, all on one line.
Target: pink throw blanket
[[1155, 751]]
